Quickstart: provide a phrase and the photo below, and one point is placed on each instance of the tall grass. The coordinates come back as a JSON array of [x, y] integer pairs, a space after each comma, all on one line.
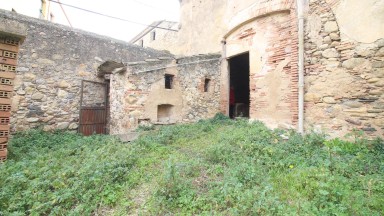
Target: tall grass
[[213, 167]]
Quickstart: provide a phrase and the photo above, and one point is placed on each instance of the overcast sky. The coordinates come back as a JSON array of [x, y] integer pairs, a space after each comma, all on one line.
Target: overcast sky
[[142, 11]]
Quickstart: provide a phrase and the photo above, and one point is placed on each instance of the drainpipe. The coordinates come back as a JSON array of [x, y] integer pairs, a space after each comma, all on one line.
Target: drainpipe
[[300, 13], [224, 77]]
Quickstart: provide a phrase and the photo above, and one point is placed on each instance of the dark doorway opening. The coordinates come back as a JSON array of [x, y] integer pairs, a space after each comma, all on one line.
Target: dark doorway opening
[[239, 100]]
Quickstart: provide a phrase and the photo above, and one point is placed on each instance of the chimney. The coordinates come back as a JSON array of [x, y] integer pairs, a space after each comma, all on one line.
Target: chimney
[[43, 10]]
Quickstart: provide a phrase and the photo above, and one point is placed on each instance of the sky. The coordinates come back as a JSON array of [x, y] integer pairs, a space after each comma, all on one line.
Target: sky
[[141, 11]]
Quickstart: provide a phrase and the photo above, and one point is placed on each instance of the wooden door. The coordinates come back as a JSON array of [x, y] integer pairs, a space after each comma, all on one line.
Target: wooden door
[[93, 108]]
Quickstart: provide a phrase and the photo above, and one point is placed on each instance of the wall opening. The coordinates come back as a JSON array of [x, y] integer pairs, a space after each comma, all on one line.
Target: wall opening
[[207, 83], [168, 78], [153, 35], [93, 108], [164, 113], [239, 99]]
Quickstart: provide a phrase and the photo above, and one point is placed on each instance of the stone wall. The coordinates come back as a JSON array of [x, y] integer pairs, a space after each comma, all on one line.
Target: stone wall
[[52, 62], [139, 95], [344, 75]]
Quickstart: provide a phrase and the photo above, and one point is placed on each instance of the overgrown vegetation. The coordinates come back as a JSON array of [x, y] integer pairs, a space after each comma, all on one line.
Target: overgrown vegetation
[[213, 167]]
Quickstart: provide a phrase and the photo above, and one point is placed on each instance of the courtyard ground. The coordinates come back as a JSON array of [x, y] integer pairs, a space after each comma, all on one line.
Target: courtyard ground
[[213, 167]]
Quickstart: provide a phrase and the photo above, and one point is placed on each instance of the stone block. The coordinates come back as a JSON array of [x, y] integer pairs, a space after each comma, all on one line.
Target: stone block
[[354, 62], [63, 84], [47, 128], [62, 93], [37, 96], [357, 110], [378, 64], [32, 120], [29, 77], [353, 104], [331, 26], [375, 111], [379, 122], [380, 42], [377, 92], [330, 53], [378, 105], [354, 121], [62, 125], [373, 80], [57, 57], [380, 52], [311, 97], [365, 49], [327, 40], [323, 46], [329, 100], [73, 126], [43, 61], [334, 36]]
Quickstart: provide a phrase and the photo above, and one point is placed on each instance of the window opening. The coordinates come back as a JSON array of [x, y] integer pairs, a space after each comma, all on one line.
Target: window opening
[[141, 43], [168, 81], [153, 35], [164, 113], [207, 83]]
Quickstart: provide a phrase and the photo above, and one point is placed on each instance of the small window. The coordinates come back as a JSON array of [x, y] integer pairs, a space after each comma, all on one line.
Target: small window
[[153, 36], [168, 81], [141, 43], [207, 83]]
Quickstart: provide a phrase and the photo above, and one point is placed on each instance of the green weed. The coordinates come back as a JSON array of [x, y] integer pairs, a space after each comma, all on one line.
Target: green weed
[[213, 167]]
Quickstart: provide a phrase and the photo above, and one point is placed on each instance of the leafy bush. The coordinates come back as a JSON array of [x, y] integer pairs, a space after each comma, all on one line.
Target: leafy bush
[[63, 173]]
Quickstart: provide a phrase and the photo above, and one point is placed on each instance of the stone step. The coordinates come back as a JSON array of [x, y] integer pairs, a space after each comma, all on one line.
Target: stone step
[[128, 137]]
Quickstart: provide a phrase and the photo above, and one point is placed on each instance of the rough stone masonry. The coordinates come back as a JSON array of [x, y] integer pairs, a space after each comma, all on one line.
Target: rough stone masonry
[[344, 75], [53, 60]]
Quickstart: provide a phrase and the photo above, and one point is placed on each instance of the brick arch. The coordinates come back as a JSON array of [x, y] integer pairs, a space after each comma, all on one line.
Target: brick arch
[[258, 10], [280, 58]]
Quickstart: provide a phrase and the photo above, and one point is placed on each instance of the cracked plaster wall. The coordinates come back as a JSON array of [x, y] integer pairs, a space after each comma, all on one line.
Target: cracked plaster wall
[[344, 75]]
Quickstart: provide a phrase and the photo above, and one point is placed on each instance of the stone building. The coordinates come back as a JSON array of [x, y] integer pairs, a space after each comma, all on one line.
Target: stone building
[[305, 64], [160, 35], [55, 77], [165, 91], [336, 86]]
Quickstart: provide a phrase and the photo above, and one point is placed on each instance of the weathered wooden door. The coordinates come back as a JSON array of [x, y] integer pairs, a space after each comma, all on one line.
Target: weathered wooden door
[[93, 108]]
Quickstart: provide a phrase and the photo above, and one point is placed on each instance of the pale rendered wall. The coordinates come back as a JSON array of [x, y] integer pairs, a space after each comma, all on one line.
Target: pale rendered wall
[[165, 40], [205, 23]]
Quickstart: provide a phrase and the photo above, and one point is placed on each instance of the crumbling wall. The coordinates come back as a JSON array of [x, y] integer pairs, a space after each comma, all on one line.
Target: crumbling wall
[[198, 104], [139, 95], [268, 31], [52, 62], [344, 67]]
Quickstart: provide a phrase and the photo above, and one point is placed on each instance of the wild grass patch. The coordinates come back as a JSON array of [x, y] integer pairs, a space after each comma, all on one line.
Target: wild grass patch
[[213, 167]]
